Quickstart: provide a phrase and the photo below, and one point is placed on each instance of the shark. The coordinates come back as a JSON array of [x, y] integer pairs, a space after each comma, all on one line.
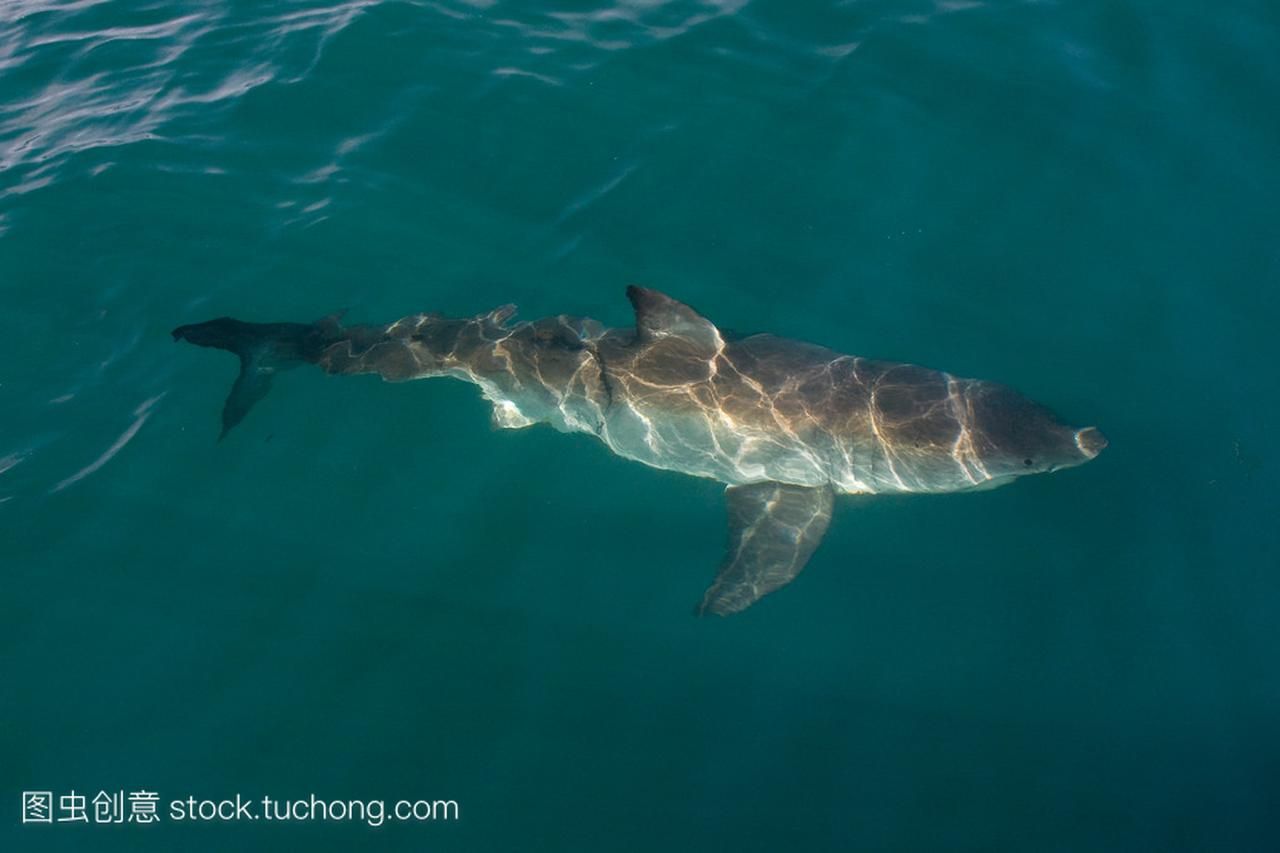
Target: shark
[[786, 425]]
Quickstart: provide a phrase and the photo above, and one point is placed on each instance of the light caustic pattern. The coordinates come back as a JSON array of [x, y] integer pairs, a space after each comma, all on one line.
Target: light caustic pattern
[[673, 393], [785, 424]]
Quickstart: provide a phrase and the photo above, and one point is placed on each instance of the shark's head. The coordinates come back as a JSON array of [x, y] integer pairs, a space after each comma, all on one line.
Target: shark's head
[[1015, 436]]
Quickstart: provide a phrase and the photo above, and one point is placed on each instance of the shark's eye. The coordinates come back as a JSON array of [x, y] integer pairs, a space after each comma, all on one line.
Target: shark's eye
[[1026, 462]]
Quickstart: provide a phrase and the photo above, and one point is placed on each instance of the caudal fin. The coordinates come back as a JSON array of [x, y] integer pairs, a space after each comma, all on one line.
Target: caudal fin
[[263, 348]]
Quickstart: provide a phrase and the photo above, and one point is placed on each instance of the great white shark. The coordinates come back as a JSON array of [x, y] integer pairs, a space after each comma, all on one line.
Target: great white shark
[[786, 425]]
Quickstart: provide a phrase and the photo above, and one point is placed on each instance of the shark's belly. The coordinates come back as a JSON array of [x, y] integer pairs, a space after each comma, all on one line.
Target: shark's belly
[[738, 445], [708, 445], [866, 464]]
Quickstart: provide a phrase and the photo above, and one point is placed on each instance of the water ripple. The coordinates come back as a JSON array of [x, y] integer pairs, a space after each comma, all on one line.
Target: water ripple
[[11, 461], [98, 86], [141, 414], [619, 27]]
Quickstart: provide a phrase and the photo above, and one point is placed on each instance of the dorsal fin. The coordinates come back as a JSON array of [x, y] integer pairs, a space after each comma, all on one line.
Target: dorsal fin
[[659, 316]]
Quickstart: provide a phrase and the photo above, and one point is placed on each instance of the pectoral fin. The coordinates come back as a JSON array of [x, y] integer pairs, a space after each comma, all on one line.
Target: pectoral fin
[[773, 530]]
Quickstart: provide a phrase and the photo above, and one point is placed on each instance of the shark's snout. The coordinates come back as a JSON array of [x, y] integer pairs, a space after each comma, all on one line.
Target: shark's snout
[[1090, 441]]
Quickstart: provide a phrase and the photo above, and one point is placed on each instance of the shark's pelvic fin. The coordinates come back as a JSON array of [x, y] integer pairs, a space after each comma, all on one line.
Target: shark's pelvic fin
[[659, 316], [773, 530]]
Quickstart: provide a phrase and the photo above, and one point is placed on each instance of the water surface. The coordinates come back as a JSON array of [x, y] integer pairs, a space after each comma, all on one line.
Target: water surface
[[366, 591]]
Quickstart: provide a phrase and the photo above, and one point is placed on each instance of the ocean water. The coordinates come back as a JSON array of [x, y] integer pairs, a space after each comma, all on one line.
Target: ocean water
[[367, 592]]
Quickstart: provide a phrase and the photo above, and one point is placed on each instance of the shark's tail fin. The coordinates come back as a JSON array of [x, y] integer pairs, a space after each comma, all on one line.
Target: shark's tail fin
[[263, 349]]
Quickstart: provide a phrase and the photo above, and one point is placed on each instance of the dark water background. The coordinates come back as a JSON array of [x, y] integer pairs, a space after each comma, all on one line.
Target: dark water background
[[367, 592]]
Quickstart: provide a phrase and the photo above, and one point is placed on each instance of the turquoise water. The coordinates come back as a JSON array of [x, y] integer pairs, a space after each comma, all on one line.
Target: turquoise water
[[367, 592]]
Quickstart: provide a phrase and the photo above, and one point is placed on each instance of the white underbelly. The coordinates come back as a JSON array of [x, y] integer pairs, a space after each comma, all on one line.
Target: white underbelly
[[710, 447]]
